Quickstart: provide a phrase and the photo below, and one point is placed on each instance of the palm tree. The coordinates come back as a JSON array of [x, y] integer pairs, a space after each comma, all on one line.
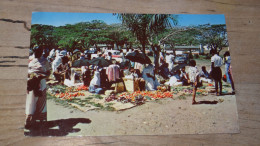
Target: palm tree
[[146, 28]]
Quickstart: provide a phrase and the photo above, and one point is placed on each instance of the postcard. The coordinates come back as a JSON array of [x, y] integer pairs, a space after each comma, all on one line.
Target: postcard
[[106, 74]]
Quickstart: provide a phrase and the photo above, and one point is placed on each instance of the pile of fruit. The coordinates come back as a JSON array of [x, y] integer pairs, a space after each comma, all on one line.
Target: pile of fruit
[[64, 93], [137, 100], [80, 88], [163, 88], [150, 94], [68, 95], [71, 89], [202, 91], [75, 89]]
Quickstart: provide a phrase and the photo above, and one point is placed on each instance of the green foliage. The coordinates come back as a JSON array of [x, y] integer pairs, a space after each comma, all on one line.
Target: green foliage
[[42, 35], [182, 37], [214, 36], [98, 96], [196, 56], [80, 36], [146, 27]]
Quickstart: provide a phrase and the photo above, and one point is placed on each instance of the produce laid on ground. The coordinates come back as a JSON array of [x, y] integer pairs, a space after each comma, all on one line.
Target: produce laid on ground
[[63, 92], [80, 98], [68, 95]]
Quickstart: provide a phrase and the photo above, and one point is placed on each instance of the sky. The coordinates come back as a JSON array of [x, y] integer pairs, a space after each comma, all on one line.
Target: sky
[[63, 18]]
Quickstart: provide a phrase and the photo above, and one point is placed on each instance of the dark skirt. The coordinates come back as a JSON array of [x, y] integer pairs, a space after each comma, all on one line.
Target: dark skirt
[[216, 73]]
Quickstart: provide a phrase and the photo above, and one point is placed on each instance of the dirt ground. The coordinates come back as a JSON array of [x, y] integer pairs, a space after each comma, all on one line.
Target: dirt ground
[[161, 117]]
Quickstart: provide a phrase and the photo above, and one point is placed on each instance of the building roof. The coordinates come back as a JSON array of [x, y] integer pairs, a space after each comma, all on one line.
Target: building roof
[[183, 47], [187, 47]]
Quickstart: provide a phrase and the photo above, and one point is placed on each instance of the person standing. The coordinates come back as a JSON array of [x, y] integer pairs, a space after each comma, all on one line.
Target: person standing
[[86, 75], [162, 57], [38, 70], [227, 61], [57, 61], [113, 72], [104, 82], [122, 55], [170, 61], [109, 57], [193, 78], [216, 73]]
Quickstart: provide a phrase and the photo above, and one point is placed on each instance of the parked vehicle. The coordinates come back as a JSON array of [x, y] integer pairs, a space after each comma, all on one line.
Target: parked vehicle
[[92, 52], [115, 55], [181, 59]]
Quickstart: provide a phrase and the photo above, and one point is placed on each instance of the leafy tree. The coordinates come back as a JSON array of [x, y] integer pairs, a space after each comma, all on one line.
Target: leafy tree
[[214, 36], [146, 28], [120, 36], [182, 36], [41, 35]]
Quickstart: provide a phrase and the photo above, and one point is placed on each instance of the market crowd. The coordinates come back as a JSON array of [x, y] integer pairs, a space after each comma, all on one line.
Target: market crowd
[[99, 73]]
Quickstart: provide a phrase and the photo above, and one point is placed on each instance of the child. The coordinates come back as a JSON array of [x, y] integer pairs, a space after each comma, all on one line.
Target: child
[[204, 75], [193, 78]]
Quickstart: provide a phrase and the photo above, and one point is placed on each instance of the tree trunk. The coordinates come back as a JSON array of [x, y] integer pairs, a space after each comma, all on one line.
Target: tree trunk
[[143, 48], [173, 49], [156, 50]]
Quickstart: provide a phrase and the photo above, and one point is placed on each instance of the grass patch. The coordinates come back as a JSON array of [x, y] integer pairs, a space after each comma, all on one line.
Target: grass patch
[[98, 96], [159, 101], [108, 108], [81, 102], [226, 85], [60, 88], [108, 104], [181, 97], [202, 87], [88, 98], [57, 100]]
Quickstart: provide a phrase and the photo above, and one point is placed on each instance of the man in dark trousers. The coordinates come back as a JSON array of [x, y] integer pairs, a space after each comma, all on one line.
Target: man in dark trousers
[[216, 73]]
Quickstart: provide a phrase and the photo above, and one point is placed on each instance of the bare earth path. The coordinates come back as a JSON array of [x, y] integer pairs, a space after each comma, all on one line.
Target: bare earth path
[[162, 117]]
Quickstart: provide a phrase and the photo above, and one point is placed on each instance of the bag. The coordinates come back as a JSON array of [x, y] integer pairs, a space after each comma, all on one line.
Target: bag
[[224, 78], [91, 89], [120, 87], [99, 91]]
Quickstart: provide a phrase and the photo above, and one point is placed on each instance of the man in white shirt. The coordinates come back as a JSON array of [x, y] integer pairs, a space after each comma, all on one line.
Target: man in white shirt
[[216, 63], [170, 61]]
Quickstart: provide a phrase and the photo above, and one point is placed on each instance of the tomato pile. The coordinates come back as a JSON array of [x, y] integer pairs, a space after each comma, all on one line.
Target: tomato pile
[[74, 89], [151, 94], [68, 95], [80, 88], [70, 92]]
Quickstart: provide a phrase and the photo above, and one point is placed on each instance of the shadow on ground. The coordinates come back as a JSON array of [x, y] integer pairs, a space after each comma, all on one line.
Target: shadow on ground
[[56, 128], [223, 94], [207, 102]]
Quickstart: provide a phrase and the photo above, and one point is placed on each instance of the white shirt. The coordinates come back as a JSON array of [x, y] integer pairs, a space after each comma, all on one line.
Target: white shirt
[[169, 59], [217, 60], [193, 72], [123, 56], [96, 79]]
